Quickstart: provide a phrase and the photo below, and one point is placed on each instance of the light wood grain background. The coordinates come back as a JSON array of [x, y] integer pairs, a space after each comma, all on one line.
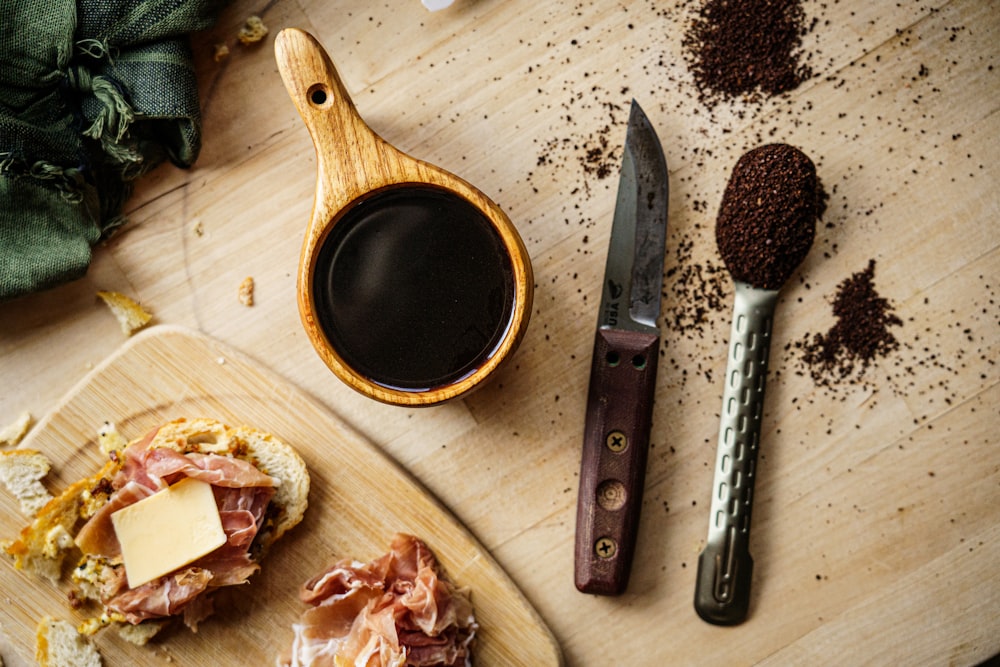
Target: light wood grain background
[[876, 534]]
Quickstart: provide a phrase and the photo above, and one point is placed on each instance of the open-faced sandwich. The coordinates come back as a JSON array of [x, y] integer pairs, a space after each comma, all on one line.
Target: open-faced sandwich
[[170, 519], [398, 610]]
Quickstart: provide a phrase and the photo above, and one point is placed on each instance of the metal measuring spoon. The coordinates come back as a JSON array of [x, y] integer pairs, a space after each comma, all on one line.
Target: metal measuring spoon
[[765, 227]]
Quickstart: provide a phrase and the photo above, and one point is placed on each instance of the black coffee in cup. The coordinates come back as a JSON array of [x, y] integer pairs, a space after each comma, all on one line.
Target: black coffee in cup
[[413, 288]]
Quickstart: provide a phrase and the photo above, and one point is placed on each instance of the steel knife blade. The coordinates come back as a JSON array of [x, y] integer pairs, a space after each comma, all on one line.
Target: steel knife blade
[[623, 368]]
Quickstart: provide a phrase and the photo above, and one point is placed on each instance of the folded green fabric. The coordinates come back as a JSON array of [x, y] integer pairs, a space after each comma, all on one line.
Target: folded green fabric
[[93, 94]]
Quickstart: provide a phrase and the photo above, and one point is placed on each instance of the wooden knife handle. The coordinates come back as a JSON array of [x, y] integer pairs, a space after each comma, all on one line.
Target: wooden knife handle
[[613, 467]]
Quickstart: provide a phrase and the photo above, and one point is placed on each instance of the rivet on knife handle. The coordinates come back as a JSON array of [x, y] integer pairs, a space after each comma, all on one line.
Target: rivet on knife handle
[[613, 467]]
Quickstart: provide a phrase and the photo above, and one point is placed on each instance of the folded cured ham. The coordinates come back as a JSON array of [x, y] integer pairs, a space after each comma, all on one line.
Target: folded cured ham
[[252, 489], [398, 610]]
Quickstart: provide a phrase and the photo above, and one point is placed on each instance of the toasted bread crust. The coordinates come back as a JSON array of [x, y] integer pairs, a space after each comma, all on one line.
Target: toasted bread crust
[[41, 546], [130, 315]]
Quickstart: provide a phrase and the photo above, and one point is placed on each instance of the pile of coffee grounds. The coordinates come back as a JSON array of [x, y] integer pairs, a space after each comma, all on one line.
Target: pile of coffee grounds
[[746, 49], [767, 219], [860, 335]]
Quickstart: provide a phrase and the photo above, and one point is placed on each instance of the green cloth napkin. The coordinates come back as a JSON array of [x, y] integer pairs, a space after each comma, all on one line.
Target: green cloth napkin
[[93, 94]]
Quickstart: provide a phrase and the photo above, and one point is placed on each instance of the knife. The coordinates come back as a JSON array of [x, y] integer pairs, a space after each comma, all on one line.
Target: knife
[[623, 369]]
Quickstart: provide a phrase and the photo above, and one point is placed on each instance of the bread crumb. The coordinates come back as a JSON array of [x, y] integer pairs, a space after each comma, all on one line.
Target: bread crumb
[[109, 439], [246, 291], [21, 471], [59, 644], [57, 540], [92, 625], [131, 316], [142, 633], [220, 53], [14, 432], [253, 31]]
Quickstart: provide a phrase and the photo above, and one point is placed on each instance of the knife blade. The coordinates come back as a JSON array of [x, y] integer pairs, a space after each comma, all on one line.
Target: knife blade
[[623, 368]]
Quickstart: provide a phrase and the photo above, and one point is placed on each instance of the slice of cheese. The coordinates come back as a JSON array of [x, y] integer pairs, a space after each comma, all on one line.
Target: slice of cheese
[[168, 530]]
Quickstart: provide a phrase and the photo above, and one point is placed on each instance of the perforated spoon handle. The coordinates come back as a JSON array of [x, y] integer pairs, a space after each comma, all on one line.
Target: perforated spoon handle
[[722, 592]]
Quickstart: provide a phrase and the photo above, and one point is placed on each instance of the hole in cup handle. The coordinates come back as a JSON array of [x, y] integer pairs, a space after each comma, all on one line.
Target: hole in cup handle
[[319, 94]]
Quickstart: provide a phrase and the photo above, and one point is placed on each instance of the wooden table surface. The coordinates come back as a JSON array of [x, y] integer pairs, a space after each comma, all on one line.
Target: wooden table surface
[[876, 532]]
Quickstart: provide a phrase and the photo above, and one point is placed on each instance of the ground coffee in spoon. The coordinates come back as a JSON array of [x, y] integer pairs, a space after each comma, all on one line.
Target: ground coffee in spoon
[[767, 219]]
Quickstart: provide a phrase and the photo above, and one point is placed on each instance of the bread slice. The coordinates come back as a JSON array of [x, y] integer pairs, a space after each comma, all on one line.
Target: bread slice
[[58, 644], [21, 471], [47, 542], [263, 450]]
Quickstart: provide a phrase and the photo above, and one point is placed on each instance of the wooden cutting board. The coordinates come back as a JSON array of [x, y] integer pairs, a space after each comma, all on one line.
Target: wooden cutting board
[[359, 498]]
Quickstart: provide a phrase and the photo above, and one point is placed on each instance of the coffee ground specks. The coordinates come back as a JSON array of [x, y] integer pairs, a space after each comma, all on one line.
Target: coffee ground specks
[[597, 150]]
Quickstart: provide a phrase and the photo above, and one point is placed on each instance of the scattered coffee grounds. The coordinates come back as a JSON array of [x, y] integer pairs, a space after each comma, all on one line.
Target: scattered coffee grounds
[[695, 291], [860, 335], [595, 152], [767, 219], [746, 49]]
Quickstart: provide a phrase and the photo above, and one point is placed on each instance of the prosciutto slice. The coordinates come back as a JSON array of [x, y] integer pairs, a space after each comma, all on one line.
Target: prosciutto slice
[[160, 467], [242, 493], [165, 596], [392, 612], [98, 535]]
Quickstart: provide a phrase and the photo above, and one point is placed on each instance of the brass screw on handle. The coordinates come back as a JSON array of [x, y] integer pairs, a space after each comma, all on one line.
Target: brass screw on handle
[[616, 441], [605, 547]]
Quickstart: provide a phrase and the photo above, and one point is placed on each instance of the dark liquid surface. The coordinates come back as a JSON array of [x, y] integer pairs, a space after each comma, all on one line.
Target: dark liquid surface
[[413, 288]]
